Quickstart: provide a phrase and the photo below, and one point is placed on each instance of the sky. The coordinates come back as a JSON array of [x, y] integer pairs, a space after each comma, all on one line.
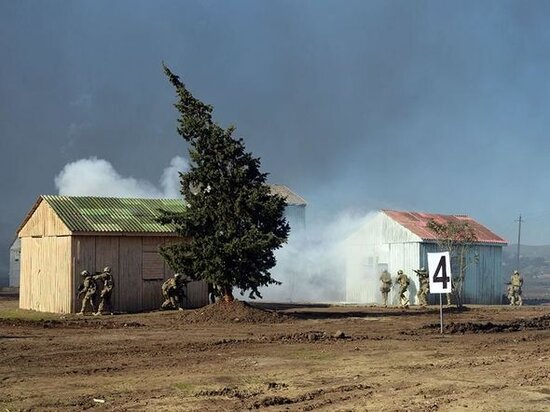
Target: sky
[[436, 106]]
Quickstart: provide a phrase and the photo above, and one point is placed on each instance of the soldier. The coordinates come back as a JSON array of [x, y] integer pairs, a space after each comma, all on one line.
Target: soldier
[[88, 288], [449, 297], [403, 281], [517, 282], [385, 287], [173, 292], [510, 293], [108, 284], [213, 292], [423, 286]]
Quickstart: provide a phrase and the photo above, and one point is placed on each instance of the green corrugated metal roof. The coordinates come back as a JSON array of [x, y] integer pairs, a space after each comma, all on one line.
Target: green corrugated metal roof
[[113, 214]]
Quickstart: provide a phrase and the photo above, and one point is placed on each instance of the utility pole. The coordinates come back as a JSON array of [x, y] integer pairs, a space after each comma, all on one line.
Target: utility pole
[[519, 241]]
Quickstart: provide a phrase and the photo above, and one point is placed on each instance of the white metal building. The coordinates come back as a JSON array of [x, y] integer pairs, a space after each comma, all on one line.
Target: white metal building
[[394, 240], [15, 258], [295, 211]]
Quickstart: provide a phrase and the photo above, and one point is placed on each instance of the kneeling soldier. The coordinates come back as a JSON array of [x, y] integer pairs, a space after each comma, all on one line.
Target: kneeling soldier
[[173, 292]]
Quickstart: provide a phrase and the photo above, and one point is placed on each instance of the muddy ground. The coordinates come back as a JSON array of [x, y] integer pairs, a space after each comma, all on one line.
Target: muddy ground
[[300, 358]]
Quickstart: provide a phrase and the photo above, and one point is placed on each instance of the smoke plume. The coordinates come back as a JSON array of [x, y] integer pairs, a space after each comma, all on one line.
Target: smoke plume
[[98, 177], [312, 266]]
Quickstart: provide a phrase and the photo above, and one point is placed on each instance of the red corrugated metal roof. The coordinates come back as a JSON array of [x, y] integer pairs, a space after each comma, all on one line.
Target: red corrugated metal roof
[[416, 222]]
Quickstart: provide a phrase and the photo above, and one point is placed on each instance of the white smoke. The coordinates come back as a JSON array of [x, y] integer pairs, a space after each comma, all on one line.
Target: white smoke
[[98, 177], [312, 265], [170, 181]]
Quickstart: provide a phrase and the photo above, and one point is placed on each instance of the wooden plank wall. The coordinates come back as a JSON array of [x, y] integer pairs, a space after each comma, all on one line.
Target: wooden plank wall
[[84, 259], [44, 222], [130, 267], [197, 294], [45, 283], [51, 267], [154, 273], [107, 254], [52, 260]]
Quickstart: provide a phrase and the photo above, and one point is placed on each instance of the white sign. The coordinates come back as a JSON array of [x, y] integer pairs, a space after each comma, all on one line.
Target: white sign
[[439, 270]]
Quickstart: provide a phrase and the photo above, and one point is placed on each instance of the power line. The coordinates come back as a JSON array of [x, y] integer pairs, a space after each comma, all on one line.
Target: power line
[[519, 241]]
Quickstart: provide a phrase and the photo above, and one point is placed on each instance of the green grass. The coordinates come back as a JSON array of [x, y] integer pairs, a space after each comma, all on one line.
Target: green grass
[[185, 387], [26, 315]]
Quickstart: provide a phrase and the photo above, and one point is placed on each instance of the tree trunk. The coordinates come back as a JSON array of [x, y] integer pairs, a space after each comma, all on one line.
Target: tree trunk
[[228, 294]]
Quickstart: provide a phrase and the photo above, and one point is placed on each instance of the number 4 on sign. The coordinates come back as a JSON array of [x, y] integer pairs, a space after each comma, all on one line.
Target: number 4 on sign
[[439, 268]]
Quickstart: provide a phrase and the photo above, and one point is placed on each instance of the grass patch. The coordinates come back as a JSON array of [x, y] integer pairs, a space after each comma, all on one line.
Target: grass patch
[[27, 315], [185, 387]]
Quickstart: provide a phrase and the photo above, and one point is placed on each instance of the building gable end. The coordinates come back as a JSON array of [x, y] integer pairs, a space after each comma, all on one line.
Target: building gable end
[[42, 221]]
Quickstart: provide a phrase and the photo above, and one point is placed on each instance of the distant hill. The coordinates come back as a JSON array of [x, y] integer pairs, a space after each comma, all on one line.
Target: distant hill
[[534, 262]]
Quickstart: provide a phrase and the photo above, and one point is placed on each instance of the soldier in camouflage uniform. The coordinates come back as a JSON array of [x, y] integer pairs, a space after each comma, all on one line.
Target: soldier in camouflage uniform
[[510, 293], [108, 285], [213, 292], [173, 291], [423, 286], [385, 286], [403, 282], [517, 282], [88, 288]]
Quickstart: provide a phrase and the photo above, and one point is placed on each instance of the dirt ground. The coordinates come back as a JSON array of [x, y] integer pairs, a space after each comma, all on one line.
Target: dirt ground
[[302, 358]]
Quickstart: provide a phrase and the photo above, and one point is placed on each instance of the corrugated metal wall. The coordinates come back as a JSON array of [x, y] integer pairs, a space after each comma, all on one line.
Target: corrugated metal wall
[[483, 283], [380, 244], [15, 263], [296, 217], [383, 243], [405, 257]]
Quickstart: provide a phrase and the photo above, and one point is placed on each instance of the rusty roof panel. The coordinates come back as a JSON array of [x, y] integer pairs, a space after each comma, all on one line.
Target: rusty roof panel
[[417, 222]]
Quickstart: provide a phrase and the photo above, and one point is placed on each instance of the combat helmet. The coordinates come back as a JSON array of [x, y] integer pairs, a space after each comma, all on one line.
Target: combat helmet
[[84, 273], [516, 272], [399, 272], [107, 269], [177, 275]]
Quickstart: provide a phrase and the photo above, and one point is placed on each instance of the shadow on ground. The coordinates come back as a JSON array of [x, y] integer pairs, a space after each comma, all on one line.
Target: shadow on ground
[[328, 311]]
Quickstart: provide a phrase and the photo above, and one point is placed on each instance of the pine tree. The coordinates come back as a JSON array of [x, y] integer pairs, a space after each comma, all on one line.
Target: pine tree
[[232, 224]]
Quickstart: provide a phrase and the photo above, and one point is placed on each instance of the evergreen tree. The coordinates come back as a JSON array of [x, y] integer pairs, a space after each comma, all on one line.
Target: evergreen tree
[[232, 224]]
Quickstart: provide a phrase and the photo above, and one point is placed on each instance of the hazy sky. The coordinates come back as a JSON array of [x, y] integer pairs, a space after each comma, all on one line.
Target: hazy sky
[[417, 105]]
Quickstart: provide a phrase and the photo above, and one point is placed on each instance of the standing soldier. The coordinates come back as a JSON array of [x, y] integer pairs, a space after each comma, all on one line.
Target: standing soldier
[[510, 293], [403, 281], [173, 292], [88, 288], [385, 286], [108, 284], [517, 282], [423, 286]]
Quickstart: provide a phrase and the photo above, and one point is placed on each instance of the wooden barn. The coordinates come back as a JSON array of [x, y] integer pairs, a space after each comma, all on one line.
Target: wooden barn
[[62, 236], [394, 240]]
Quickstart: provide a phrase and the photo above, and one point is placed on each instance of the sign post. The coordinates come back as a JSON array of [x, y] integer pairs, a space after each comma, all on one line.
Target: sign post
[[439, 274]]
